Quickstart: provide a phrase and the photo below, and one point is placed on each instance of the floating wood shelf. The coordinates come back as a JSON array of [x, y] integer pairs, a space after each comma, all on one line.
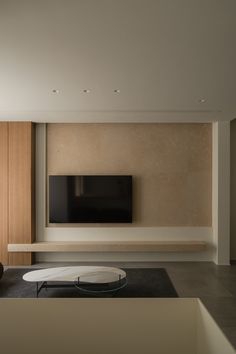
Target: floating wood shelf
[[111, 246]]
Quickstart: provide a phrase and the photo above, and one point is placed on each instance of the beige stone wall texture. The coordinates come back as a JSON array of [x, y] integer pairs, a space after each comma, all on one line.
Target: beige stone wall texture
[[171, 165]]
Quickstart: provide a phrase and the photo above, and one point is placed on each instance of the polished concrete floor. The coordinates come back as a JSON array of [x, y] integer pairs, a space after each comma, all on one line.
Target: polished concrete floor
[[214, 285]]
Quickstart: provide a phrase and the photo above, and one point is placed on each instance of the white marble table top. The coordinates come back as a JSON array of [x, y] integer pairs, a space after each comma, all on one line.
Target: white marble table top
[[89, 274]]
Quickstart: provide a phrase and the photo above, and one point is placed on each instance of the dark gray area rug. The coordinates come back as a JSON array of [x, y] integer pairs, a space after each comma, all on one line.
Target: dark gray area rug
[[142, 282]]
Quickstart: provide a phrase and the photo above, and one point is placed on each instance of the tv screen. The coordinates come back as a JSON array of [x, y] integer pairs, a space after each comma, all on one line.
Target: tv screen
[[90, 199]]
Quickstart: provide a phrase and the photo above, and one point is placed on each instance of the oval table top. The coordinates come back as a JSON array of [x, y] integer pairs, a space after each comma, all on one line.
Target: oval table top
[[88, 274]]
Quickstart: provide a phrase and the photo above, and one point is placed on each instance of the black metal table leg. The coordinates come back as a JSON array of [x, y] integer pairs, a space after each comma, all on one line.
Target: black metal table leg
[[38, 288]]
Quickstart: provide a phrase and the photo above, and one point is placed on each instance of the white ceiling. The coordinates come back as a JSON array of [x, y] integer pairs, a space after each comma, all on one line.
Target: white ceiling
[[163, 56]]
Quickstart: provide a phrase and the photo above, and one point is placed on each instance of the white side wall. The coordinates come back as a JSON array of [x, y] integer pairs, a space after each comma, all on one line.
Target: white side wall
[[210, 339], [125, 233], [221, 192], [233, 190]]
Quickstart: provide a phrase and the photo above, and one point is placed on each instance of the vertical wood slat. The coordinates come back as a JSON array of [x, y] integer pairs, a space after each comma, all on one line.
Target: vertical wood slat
[[3, 192], [21, 189]]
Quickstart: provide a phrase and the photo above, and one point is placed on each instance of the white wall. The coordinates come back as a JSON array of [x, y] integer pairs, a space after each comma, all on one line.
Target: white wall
[[210, 339], [233, 189], [221, 192], [127, 234]]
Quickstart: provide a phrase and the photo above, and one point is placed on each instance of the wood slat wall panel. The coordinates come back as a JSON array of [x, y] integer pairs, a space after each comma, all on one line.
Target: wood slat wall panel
[[21, 189], [3, 192]]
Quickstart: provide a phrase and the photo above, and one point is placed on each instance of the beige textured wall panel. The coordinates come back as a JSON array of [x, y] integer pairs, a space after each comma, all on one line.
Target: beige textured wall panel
[[170, 163]]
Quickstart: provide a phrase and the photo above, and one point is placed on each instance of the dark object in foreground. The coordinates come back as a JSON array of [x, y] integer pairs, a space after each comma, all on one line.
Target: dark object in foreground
[[1, 270]]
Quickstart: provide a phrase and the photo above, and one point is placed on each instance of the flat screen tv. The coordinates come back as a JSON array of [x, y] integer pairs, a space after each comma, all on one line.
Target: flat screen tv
[[90, 199]]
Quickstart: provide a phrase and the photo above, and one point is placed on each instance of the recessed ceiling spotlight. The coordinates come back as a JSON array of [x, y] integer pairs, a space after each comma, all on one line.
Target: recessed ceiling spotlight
[[86, 91], [202, 100], [116, 91], [55, 91]]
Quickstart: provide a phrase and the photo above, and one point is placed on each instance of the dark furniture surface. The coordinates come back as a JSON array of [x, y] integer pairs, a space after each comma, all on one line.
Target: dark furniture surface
[[1, 270]]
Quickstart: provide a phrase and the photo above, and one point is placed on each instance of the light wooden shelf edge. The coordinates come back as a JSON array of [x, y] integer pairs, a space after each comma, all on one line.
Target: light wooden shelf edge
[[115, 246]]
